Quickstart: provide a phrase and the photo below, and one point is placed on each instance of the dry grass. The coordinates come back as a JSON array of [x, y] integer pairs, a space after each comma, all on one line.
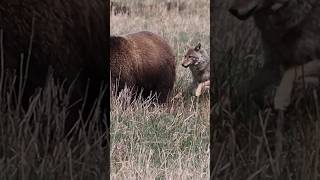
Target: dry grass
[[33, 143], [244, 134], [170, 141]]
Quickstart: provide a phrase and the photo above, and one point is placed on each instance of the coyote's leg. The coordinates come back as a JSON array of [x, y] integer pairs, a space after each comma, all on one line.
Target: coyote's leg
[[193, 87], [296, 74], [202, 87]]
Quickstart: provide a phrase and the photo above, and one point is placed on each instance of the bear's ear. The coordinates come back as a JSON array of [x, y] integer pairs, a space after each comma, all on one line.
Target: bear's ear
[[198, 47]]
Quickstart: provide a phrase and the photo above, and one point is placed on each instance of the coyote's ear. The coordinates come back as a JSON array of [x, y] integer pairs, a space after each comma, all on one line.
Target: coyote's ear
[[198, 47]]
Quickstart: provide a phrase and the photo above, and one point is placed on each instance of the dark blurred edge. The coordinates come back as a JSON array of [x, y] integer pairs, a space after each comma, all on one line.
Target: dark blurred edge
[[215, 146], [108, 164], [212, 24]]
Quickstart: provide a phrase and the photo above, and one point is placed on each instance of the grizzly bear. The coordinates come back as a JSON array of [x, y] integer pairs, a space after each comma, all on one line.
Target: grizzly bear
[[69, 37], [145, 61]]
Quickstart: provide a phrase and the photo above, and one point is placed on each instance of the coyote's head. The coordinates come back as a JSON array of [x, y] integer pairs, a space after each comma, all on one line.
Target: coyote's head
[[243, 9], [194, 56]]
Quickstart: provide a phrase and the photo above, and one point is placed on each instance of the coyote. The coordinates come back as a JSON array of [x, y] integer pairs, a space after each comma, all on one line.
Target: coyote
[[198, 61], [290, 37]]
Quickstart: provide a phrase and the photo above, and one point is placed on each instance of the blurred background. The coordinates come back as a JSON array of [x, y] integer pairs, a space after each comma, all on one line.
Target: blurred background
[[243, 132]]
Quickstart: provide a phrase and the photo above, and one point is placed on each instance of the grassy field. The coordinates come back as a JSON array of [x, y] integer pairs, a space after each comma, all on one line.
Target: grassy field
[[171, 141], [244, 135]]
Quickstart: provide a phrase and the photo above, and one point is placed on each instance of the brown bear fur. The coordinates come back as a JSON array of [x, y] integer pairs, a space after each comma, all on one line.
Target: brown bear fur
[[143, 60], [69, 36]]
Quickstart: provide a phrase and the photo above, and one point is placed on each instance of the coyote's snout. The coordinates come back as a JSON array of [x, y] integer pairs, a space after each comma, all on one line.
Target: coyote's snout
[[243, 9], [192, 57]]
